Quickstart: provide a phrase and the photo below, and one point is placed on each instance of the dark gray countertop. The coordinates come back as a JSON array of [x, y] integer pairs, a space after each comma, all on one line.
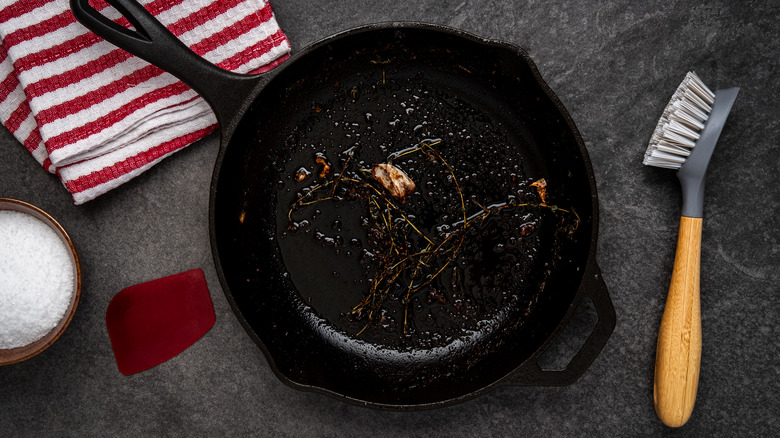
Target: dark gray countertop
[[614, 65]]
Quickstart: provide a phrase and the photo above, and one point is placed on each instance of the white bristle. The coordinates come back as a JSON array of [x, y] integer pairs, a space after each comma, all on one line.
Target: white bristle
[[680, 124]]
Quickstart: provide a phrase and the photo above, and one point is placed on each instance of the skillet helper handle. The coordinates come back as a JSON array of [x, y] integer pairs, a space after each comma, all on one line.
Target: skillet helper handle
[[678, 354], [154, 43], [593, 287]]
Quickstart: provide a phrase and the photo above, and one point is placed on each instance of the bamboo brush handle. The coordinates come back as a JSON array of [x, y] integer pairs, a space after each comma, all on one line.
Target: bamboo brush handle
[[678, 352]]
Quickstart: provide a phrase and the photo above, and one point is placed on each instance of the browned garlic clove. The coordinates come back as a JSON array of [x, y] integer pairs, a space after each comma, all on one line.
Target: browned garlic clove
[[321, 159], [541, 189], [301, 174], [394, 180]]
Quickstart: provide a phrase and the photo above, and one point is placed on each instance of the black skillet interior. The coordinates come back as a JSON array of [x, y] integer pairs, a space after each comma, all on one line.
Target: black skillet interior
[[371, 93]]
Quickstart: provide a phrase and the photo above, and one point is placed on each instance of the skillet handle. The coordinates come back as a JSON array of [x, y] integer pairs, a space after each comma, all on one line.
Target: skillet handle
[[593, 287], [153, 42]]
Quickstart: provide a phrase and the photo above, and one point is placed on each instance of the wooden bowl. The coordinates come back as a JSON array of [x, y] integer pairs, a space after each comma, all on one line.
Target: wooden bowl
[[13, 355]]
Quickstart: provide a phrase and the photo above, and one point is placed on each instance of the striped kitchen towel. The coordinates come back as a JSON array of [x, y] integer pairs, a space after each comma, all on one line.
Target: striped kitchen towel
[[97, 116]]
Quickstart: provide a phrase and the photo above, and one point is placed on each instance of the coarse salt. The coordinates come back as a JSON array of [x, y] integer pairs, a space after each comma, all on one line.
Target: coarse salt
[[36, 279]]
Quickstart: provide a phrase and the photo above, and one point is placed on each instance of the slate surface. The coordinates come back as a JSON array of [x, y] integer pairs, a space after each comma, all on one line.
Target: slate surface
[[614, 65]]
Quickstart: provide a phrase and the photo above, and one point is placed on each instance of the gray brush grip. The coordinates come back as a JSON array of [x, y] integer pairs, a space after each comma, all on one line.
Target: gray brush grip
[[693, 171]]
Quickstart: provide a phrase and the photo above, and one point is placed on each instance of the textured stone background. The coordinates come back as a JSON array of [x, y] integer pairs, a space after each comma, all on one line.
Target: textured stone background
[[614, 65]]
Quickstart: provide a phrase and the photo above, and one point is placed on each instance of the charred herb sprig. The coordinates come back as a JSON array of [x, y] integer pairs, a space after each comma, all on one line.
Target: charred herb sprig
[[400, 264]]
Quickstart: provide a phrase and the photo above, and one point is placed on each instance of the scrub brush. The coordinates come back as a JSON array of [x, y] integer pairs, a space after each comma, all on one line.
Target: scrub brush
[[684, 139]]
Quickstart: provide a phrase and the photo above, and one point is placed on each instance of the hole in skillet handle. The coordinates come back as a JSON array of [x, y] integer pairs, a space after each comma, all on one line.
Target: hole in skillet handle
[[132, 40], [591, 293]]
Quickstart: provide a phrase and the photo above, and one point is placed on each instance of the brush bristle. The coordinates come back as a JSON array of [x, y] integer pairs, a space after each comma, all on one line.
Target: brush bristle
[[680, 124]]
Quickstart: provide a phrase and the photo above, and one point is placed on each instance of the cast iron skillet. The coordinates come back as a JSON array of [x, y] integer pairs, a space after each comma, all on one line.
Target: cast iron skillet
[[383, 88]]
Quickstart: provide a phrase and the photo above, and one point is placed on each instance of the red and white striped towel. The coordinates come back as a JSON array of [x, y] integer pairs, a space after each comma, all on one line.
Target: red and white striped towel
[[98, 116]]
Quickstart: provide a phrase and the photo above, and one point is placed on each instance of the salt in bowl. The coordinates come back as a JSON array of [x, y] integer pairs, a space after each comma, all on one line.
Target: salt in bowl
[[21, 353]]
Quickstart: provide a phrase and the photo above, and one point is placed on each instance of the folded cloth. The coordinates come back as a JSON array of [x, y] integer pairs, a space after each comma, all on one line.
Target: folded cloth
[[96, 115]]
